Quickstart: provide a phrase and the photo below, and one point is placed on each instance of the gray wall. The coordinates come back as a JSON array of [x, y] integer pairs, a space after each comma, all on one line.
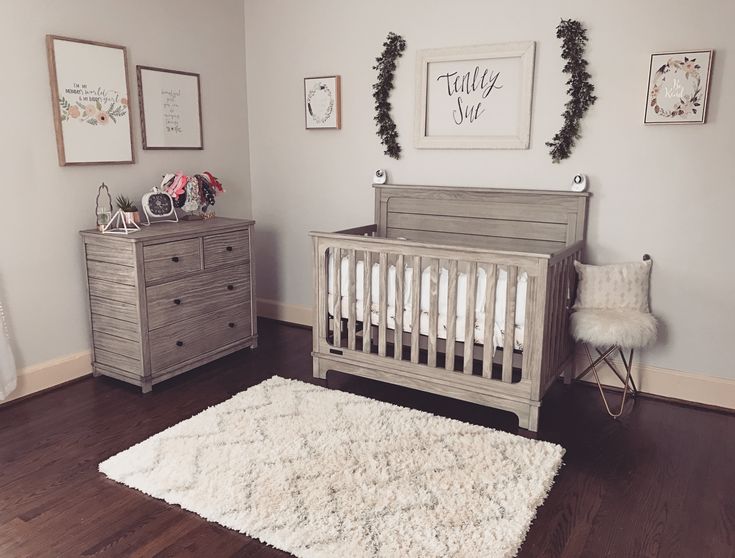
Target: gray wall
[[665, 190], [41, 266]]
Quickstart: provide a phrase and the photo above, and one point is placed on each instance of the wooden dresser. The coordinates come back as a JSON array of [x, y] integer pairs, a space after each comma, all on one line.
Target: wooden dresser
[[170, 297]]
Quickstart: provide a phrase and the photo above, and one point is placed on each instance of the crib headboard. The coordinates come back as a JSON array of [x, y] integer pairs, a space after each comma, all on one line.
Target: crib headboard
[[520, 220]]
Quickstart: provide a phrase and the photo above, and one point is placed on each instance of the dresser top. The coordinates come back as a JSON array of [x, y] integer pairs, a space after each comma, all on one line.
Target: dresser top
[[161, 231]]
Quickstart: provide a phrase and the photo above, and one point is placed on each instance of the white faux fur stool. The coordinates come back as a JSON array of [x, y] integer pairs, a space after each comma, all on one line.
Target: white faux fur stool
[[612, 312]]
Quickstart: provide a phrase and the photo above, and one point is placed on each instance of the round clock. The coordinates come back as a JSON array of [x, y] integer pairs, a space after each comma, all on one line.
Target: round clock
[[158, 205]]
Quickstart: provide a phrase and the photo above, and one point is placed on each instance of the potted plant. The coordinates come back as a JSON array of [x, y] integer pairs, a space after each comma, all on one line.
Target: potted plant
[[129, 209]]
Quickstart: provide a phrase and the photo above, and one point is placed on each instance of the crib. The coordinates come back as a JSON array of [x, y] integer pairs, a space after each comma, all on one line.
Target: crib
[[462, 292]]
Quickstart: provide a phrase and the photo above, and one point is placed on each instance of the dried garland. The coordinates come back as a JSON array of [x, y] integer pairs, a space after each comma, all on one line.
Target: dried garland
[[386, 66], [580, 90]]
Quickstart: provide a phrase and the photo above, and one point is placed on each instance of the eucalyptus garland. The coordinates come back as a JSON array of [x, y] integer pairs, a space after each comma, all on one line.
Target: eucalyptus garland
[[574, 37], [386, 66]]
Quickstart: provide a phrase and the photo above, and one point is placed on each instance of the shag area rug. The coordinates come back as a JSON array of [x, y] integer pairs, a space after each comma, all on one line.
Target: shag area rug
[[323, 473]]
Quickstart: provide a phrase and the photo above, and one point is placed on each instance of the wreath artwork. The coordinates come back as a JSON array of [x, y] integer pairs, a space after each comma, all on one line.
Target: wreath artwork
[[323, 91], [574, 37], [677, 88], [386, 66]]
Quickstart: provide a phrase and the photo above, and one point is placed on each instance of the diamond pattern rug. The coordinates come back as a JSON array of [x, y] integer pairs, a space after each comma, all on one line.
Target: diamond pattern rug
[[323, 473]]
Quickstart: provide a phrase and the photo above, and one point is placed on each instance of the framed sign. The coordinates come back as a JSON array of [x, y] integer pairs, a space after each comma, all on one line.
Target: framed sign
[[170, 109], [678, 85], [475, 97], [322, 102], [90, 93]]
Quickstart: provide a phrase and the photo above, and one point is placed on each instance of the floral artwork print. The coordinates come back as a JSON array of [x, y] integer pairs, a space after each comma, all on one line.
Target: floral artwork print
[[678, 87], [321, 90], [92, 113], [322, 102]]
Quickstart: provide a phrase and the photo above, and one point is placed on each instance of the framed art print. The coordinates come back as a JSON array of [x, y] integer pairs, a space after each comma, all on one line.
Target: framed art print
[[322, 102], [170, 109], [475, 97], [678, 86], [90, 94]]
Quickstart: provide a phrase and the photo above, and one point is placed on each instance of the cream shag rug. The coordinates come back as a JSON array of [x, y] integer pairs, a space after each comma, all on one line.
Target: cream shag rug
[[323, 473]]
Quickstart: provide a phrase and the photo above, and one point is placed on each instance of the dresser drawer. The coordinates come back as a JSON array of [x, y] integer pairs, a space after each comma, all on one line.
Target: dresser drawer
[[226, 248], [177, 343], [193, 296], [172, 259]]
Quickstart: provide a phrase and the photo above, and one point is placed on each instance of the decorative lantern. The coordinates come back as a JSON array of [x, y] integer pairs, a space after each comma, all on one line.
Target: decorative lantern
[[103, 211]]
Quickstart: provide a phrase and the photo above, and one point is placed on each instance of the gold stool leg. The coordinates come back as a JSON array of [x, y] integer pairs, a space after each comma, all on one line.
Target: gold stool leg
[[626, 383]]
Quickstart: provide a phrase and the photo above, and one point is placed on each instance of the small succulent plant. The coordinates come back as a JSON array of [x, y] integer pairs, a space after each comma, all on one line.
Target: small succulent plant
[[126, 204]]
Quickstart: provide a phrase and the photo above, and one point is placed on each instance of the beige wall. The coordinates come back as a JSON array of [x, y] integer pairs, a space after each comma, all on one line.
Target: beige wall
[[665, 190], [44, 205]]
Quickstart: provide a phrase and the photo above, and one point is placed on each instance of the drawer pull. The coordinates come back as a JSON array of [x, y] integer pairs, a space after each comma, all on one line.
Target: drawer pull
[[229, 248], [177, 301], [231, 324], [230, 287], [179, 343], [175, 259]]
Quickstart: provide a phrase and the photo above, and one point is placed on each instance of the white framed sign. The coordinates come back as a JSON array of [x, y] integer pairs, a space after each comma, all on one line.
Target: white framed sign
[[90, 94], [322, 103], [678, 86], [170, 109], [476, 97]]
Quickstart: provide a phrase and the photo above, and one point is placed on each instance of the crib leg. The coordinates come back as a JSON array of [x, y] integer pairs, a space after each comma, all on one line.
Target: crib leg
[[528, 418], [320, 369]]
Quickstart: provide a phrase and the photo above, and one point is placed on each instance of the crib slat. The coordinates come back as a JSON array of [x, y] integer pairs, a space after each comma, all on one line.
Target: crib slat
[[451, 315], [367, 289], [415, 308], [383, 303], [322, 300], [398, 340], [469, 323], [488, 343], [351, 300], [337, 296], [510, 326], [433, 310], [529, 328]]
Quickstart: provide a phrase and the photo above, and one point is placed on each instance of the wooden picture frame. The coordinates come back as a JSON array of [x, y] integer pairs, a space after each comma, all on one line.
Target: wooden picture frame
[[173, 118], [678, 87], [476, 97], [323, 103], [90, 96]]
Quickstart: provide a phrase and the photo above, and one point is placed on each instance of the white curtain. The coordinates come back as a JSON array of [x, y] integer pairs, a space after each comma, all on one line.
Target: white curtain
[[7, 362]]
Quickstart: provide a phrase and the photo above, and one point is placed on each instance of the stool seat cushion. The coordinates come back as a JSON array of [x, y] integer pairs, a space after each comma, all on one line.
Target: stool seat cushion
[[599, 327]]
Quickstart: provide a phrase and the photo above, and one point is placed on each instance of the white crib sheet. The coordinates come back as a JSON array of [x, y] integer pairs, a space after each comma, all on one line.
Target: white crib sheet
[[500, 299]]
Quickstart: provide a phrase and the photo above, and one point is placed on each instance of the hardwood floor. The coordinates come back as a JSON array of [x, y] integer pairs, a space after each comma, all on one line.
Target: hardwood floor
[[658, 483]]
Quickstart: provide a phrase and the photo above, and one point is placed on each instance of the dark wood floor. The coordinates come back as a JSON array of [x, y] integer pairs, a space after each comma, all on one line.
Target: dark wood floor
[[660, 483]]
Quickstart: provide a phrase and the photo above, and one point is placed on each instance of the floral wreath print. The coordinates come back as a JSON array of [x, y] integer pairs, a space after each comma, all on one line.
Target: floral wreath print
[[687, 104], [92, 113], [320, 87]]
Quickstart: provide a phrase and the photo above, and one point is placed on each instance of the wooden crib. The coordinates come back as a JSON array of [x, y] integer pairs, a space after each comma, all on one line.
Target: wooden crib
[[452, 233]]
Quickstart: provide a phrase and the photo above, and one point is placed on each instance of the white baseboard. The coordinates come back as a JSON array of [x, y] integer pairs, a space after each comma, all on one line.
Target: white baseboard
[[51, 373], [676, 384], [294, 313]]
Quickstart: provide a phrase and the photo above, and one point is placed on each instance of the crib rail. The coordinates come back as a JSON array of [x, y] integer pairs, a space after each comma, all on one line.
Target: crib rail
[[399, 335]]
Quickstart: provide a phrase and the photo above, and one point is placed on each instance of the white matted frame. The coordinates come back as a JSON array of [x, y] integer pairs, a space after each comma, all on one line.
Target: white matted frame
[[476, 97]]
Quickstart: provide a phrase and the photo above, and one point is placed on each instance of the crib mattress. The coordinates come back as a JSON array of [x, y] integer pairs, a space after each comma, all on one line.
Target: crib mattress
[[479, 326]]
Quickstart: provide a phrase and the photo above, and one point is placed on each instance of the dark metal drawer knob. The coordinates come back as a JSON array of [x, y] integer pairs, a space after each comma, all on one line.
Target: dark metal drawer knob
[[229, 248], [175, 259], [177, 301], [179, 343], [231, 324], [230, 287]]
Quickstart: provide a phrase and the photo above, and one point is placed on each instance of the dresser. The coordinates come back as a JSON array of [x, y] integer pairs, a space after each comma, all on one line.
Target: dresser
[[170, 297]]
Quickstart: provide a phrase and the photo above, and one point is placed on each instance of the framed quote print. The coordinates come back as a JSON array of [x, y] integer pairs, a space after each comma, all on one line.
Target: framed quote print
[[322, 103], [90, 96], [170, 109], [475, 97], [678, 86]]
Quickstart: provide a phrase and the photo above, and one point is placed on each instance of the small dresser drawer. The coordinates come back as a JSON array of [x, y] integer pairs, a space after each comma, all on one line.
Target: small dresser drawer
[[226, 248], [193, 296], [198, 336], [172, 259]]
